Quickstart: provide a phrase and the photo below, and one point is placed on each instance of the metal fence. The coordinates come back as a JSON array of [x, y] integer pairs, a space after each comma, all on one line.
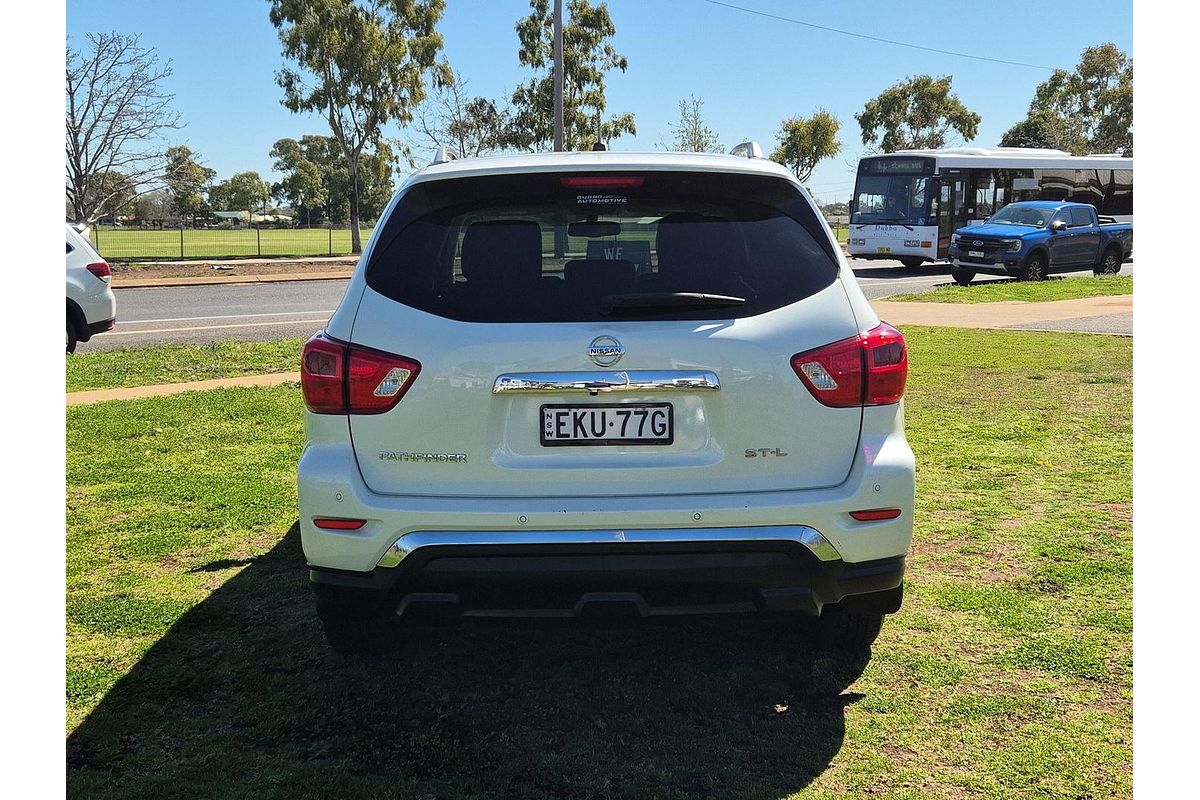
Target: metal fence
[[167, 243], [247, 241]]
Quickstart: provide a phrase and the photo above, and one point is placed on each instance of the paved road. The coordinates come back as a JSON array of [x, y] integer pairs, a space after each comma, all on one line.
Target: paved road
[[260, 311]]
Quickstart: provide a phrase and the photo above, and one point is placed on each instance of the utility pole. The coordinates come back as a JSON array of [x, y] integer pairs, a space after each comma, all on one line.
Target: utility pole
[[558, 76]]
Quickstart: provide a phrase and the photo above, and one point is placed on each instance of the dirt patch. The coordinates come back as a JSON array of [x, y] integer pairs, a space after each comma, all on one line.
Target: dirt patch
[[1122, 512], [229, 269]]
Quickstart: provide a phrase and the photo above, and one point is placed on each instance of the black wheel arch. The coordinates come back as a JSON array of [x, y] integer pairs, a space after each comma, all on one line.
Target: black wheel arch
[[76, 317]]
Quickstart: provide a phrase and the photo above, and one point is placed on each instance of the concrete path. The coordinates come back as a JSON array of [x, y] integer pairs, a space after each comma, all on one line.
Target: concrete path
[[162, 389], [1115, 311]]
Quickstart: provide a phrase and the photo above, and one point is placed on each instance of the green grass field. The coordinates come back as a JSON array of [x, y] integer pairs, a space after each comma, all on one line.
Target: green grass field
[[132, 243], [176, 363], [196, 667], [1028, 291]]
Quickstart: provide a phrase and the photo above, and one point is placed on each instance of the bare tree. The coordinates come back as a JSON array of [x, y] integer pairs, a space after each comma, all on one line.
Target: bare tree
[[451, 117], [117, 113]]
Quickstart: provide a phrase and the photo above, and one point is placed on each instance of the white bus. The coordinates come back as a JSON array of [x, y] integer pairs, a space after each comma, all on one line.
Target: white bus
[[906, 204]]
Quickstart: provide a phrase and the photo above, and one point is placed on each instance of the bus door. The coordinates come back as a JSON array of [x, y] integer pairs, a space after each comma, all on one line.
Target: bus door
[[952, 210]]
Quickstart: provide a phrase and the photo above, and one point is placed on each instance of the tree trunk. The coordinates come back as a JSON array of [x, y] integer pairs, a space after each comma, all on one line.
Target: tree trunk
[[355, 236]]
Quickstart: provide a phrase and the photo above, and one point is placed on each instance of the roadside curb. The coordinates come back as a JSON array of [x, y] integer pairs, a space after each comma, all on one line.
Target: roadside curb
[[146, 283], [163, 389]]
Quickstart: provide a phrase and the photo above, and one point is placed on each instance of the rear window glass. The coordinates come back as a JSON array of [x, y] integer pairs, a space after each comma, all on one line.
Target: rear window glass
[[1080, 217], [550, 247]]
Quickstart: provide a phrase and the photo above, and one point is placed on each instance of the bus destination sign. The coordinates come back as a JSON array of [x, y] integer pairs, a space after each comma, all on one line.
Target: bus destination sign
[[898, 166]]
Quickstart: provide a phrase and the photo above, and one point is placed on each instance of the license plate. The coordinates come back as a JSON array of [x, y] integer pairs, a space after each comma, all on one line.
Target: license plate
[[607, 423], [883, 249], [975, 253]]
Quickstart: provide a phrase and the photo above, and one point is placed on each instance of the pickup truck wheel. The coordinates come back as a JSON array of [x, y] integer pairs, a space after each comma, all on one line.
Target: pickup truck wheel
[[962, 277], [1110, 263], [1034, 269]]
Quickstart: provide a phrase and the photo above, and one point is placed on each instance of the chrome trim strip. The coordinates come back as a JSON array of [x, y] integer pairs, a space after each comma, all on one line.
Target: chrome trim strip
[[812, 539], [607, 381]]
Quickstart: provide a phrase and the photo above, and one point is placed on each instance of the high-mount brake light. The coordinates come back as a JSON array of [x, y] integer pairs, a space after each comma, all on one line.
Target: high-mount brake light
[[602, 182], [101, 270], [869, 369], [340, 378]]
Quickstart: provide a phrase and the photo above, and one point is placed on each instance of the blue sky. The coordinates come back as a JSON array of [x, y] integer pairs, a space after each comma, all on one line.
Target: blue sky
[[750, 71]]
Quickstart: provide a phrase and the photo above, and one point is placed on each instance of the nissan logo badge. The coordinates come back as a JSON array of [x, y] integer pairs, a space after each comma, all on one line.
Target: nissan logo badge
[[605, 351]]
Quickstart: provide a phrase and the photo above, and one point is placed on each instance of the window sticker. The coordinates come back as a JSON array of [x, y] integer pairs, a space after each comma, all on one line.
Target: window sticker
[[601, 199]]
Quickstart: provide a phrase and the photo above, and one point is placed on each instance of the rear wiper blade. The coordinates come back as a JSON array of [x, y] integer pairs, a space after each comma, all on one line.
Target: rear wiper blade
[[617, 303]]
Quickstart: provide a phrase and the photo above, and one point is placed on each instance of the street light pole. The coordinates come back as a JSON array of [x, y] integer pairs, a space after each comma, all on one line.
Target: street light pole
[[558, 76]]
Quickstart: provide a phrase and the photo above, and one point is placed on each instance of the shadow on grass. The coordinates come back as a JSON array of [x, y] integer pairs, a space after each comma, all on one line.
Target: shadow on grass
[[242, 697]]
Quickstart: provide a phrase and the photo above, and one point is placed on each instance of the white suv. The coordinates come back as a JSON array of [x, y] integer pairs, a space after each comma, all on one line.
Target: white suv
[[566, 382], [91, 307]]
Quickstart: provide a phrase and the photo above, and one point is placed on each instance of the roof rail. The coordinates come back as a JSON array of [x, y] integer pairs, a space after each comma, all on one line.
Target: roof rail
[[750, 149], [443, 155]]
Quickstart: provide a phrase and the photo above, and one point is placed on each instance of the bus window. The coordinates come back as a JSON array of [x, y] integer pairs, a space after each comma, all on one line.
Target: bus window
[[985, 189]]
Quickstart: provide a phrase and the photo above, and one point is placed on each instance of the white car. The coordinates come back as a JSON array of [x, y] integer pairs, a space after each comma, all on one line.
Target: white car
[[91, 307], [568, 382]]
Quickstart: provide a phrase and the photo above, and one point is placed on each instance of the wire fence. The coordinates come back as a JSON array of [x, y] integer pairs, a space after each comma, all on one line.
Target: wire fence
[[182, 243], [248, 241]]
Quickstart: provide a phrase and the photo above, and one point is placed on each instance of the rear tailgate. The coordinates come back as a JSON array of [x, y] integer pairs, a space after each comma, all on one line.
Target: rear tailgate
[[667, 283], [453, 434]]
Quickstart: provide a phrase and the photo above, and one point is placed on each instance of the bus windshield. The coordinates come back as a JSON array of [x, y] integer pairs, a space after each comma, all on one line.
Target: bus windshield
[[897, 199]]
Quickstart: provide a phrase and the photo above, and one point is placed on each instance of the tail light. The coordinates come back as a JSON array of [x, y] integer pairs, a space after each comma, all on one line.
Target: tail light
[[340, 378], [101, 270], [865, 370]]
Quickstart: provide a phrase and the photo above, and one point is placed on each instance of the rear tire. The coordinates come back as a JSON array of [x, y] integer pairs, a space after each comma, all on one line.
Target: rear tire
[[1110, 263], [962, 277], [355, 622], [911, 262], [72, 336], [848, 630], [1034, 268]]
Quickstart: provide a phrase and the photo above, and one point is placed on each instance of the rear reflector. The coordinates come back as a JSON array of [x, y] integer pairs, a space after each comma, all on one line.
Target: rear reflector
[[602, 182], [875, 513], [340, 378], [101, 270], [339, 524], [869, 369]]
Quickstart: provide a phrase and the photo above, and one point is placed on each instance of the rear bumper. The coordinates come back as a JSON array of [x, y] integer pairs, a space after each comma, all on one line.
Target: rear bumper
[[100, 327], [567, 573]]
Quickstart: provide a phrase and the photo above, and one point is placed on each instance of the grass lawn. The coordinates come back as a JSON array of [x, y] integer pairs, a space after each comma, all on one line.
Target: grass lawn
[[1039, 291], [195, 666], [134, 243], [177, 363]]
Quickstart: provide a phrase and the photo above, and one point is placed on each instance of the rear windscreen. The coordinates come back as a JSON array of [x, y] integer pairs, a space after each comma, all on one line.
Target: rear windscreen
[[551, 247]]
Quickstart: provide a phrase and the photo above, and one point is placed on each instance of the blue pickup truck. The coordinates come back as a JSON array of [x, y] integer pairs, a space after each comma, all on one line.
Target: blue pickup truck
[[1029, 240]]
